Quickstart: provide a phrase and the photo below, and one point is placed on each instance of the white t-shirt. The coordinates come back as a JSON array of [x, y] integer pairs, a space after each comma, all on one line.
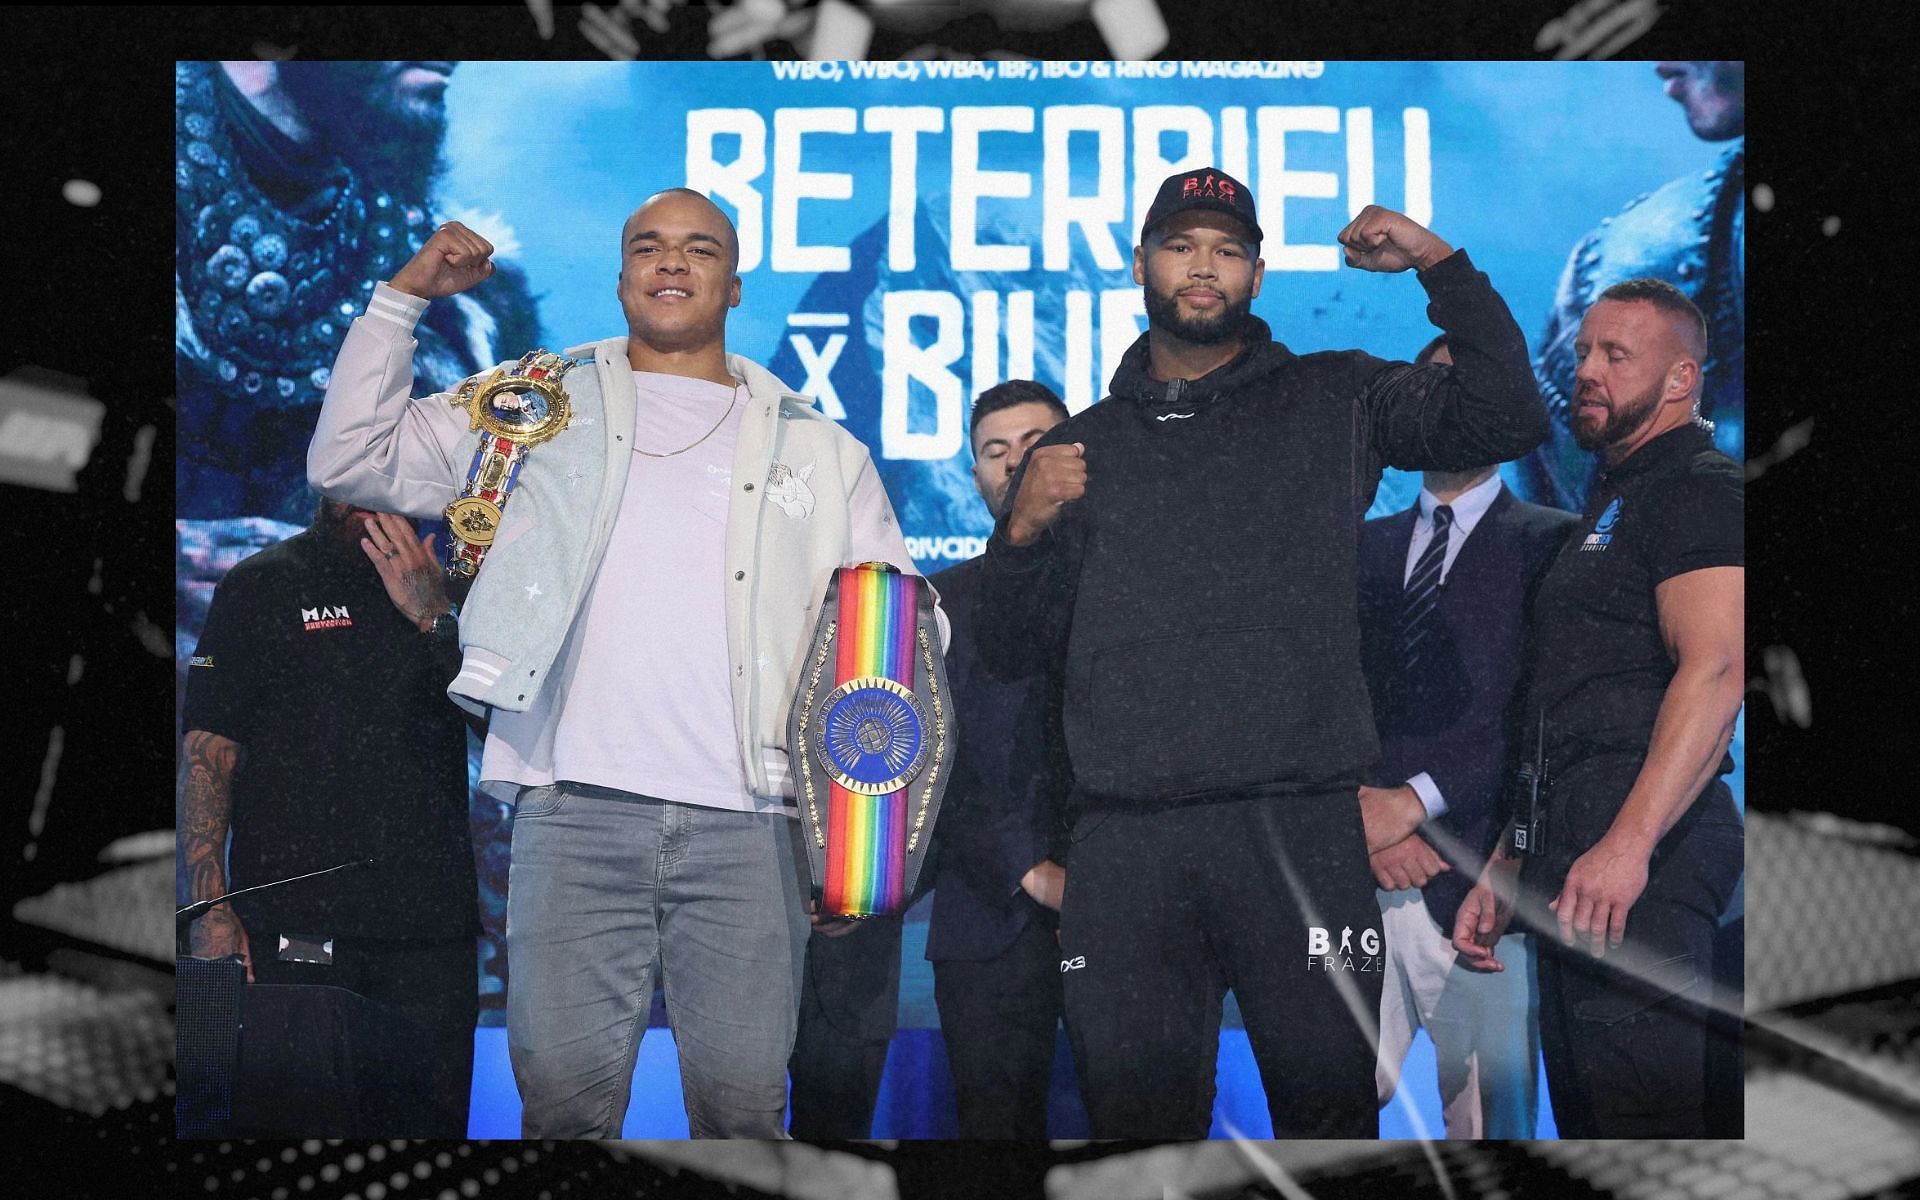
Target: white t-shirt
[[640, 694]]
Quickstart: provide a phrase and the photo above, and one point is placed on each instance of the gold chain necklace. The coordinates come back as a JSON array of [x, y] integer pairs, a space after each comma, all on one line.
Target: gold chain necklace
[[703, 437]]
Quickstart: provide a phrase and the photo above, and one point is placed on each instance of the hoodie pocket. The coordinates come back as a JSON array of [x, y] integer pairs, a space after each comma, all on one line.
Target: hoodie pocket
[[1218, 709]]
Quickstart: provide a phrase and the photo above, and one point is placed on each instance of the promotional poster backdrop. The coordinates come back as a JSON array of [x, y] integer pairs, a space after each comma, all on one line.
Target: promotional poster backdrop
[[913, 232]]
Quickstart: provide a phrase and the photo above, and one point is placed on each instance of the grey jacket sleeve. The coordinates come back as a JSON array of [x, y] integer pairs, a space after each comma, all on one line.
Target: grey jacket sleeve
[[375, 445], [874, 533]]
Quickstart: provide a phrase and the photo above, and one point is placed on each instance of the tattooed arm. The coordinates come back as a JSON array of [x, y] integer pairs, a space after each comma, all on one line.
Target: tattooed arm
[[206, 807]]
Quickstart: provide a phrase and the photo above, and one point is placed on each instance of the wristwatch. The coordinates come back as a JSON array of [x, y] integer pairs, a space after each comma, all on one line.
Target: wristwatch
[[446, 625]]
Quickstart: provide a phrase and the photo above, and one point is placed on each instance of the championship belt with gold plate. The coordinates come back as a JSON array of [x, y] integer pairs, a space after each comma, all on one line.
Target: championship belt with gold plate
[[514, 410], [871, 740]]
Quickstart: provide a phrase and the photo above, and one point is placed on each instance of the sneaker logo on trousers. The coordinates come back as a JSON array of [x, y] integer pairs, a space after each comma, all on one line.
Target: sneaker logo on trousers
[[1077, 962], [1323, 956]]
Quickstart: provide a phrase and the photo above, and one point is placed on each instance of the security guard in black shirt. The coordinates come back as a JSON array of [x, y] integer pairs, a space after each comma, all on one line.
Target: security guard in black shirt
[[1637, 681], [319, 730]]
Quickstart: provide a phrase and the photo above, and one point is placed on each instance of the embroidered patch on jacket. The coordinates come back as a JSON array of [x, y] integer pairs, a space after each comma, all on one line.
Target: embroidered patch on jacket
[[788, 488]]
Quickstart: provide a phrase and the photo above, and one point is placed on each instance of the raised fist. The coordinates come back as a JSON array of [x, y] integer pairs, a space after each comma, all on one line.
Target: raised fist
[[1054, 476], [454, 259], [1380, 239]]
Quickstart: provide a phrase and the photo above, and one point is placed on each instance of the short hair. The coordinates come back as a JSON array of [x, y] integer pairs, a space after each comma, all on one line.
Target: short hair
[[1668, 299], [1007, 395], [1429, 350]]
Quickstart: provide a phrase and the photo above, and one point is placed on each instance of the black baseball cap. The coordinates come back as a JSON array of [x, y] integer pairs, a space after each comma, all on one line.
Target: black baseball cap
[[1207, 187]]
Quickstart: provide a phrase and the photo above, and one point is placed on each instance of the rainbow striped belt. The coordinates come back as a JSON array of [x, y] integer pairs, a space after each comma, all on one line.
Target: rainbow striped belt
[[871, 740]]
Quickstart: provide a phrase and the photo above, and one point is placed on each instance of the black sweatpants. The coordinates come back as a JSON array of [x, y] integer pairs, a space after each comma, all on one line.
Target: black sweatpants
[[998, 1018], [433, 982], [1625, 1035], [1166, 910]]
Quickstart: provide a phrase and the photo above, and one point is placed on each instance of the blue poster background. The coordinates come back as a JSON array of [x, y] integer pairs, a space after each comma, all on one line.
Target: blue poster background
[[1519, 161]]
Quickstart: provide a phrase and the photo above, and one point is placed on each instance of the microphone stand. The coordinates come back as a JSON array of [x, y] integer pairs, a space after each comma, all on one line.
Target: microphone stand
[[183, 918]]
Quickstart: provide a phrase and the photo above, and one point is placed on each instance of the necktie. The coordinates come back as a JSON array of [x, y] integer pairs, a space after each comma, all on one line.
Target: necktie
[[1422, 596]]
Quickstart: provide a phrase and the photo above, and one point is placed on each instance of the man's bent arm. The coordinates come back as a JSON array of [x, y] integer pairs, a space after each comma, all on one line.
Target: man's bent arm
[[1024, 600], [1702, 619], [374, 446], [1484, 408]]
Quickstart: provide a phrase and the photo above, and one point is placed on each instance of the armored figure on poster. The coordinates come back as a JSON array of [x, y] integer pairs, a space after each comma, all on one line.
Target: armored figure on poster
[[297, 186], [1692, 233]]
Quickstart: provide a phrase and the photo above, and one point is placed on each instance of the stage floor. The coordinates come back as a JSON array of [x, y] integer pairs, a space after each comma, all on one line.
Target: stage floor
[[916, 1093]]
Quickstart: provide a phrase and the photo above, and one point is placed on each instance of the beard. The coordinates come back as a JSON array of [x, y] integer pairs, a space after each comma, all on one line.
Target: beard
[[1716, 100], [1163, 313], [997, 500], [337, 529], [388, 137], [1623, 421]]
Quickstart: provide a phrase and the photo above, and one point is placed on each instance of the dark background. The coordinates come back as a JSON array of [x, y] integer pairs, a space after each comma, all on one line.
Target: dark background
[[1831, 528]]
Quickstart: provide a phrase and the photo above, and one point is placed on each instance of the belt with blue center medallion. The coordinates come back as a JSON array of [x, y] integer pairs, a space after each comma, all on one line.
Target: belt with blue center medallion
[[871, 740]]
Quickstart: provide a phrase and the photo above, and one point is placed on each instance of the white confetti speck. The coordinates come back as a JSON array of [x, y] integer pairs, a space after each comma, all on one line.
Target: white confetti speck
[[1763, 197], [1787, 687], [82, 193], [1830, 226]]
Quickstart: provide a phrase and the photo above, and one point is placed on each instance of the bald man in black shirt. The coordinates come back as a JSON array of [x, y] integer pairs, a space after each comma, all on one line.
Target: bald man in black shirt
[[1638, 680]]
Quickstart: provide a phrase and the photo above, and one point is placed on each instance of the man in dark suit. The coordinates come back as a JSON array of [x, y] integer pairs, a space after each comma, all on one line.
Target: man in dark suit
[[996, 897], [996, 882], [1444, 592], [849, 1007]]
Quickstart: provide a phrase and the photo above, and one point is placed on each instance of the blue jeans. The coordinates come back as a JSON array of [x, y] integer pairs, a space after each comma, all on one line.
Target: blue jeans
[[606, 885]]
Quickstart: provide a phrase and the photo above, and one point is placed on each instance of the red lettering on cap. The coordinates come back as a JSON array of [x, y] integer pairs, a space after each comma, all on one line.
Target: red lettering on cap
[[1189, 187]]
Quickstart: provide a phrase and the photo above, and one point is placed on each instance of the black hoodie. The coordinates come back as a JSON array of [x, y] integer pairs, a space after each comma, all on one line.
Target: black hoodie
[[1203, 591]]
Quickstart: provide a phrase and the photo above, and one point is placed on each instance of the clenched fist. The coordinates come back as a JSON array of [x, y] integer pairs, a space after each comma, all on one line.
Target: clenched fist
[[1408, 863], [454, 259], [1380, 239], [1054, 476]]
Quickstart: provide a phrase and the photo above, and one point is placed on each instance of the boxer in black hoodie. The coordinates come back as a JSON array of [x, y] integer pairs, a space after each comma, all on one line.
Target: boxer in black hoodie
[[1187, 550]]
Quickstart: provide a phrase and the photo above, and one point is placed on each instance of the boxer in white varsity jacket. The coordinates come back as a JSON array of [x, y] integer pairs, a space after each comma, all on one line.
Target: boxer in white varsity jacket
[[636, 630]]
